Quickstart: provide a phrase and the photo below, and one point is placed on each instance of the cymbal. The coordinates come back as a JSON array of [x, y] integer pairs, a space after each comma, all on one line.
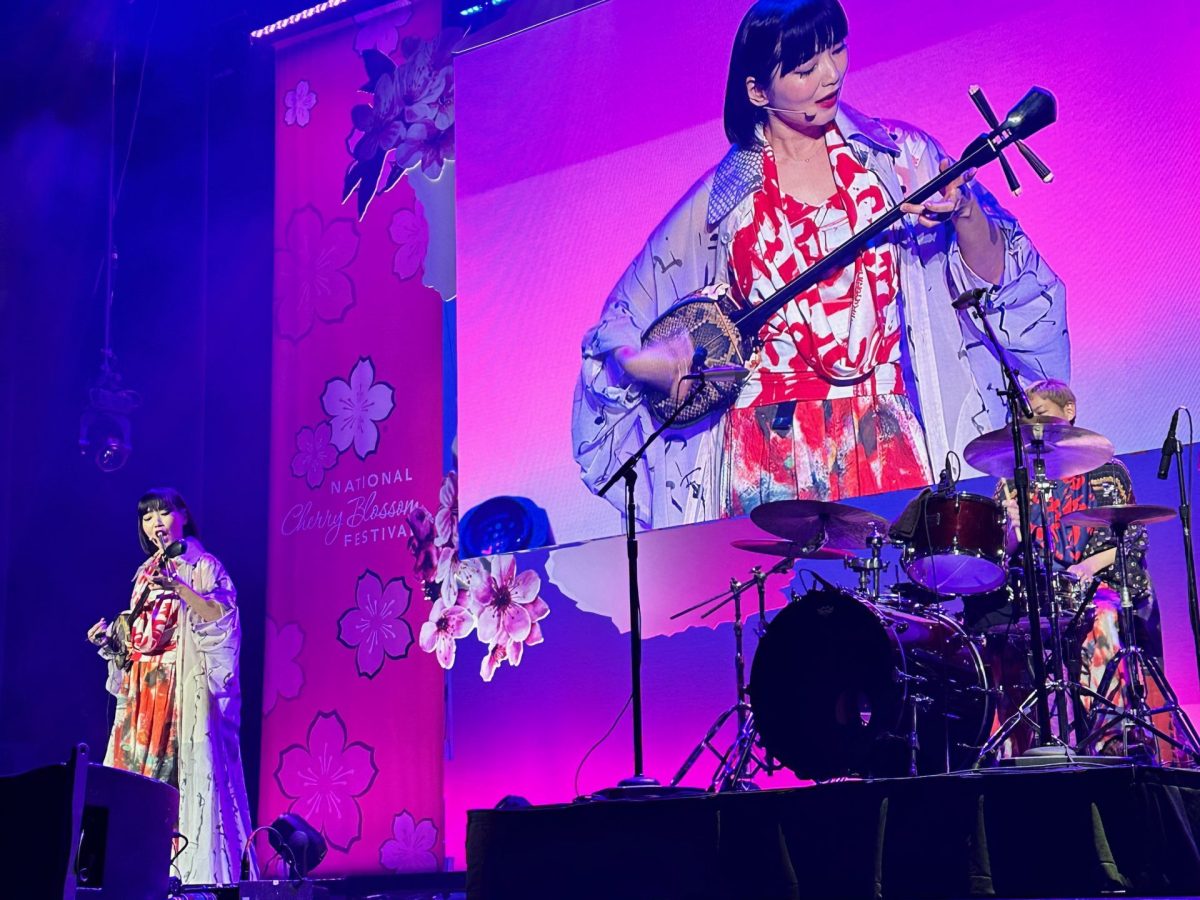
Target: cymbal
[[791, 550], [1119, 516], [819, 523], [1065, 449]]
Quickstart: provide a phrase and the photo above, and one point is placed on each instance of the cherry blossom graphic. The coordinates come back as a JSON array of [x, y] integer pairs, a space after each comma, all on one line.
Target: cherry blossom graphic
[[379, 31], [410, 849], [298, 103], [315, 454], [323, 777], [374, 627], [446, 520], [410, 121], [420, 542], [282, 675], [310, 279], [410, 233], [447, 624], [496, 654], [355, 406], [506, 602], [435, 151]]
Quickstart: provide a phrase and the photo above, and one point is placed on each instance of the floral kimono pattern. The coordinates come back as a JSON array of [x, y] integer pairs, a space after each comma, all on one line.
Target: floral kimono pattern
[[823, 413], [179, 711]]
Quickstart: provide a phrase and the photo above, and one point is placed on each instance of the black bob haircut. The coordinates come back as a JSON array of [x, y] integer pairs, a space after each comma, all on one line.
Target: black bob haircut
[[167, 499], [775, 34]]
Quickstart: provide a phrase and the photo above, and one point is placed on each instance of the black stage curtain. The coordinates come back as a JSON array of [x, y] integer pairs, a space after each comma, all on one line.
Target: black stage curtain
[[1000, 833]]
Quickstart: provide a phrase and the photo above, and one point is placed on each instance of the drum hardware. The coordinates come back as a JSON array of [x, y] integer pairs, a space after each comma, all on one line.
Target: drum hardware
[[870, 570], [1136, 716], [1020, 435], [733, 772]]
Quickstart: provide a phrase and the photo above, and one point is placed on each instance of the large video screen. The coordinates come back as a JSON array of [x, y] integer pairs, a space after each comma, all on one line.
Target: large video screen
[[587, 132]]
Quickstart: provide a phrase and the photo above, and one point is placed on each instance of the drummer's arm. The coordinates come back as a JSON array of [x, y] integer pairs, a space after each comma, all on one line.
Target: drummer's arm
[[1087, 569], [1012, 517]]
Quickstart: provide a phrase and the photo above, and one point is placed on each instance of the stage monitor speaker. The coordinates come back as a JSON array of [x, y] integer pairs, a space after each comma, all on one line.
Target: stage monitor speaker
[[79, 829]]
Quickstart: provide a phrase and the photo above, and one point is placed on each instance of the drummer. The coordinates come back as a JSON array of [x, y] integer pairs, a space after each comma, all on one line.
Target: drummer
[[1090, 554]]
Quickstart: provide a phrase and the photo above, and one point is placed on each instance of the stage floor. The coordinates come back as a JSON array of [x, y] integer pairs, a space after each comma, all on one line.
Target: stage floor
[[1031, 833]]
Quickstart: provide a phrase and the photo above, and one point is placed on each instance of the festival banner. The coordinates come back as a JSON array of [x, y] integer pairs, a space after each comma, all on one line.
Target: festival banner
[[354, 711]]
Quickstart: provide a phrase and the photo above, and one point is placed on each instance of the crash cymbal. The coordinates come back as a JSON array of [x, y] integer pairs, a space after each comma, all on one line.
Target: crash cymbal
[[1065, 449], [819, 523], [792, 550], [1119, 516]]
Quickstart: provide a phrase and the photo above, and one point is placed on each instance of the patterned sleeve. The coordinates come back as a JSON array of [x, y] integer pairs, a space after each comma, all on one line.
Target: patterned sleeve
[[211, 581], [1031, 300], [1110, 485], [608, 418]]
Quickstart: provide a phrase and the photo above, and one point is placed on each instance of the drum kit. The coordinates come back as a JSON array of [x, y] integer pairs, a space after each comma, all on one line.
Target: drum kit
[[865, 682]]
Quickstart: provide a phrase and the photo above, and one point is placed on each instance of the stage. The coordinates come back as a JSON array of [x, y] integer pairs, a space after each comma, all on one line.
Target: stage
[[1018, 832]]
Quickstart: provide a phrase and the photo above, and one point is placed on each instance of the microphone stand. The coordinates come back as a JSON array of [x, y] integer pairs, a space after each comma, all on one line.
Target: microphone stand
[[1019, 408], [639, 784], [1185, 519]]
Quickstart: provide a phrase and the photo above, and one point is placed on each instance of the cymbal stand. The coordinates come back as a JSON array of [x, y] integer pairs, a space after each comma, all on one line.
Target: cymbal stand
[[733, 770], [1019, 408], [1057, 675], [1134, 663]]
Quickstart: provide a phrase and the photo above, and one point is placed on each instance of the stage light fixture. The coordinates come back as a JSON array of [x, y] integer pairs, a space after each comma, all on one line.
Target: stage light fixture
[[299, 844], [105, 432]]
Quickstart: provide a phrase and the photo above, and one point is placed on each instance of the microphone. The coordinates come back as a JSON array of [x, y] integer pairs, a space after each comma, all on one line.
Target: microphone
[[718, 373], [1168, 450], [969, 298]]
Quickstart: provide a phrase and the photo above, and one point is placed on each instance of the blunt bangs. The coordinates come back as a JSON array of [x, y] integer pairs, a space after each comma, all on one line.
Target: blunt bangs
[[775, 34]]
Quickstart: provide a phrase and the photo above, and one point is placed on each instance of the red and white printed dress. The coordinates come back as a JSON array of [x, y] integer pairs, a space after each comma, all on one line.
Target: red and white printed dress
[[833, 352]]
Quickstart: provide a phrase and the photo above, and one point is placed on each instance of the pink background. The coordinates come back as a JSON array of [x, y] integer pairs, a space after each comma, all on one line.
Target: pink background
[[570, 162]]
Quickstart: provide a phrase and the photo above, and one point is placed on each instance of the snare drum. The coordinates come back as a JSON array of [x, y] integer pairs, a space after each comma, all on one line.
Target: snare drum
[[956, 545], [1007, 608]]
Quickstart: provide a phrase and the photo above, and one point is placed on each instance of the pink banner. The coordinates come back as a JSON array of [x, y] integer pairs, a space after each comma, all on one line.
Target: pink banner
[[353, 736]]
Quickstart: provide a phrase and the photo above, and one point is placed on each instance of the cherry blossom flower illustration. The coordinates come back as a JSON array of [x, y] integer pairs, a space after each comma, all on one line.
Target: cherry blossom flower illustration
[[298, 103], [374, 627], [315, 454], [379, 31], [355, 406], [506, 602], [324, 776], [496, 654], [310, 278], [410, 233], [446, 519], [411, 118], [410, 849], [420, 542], [435, 151], [282, 675], [447, 624]]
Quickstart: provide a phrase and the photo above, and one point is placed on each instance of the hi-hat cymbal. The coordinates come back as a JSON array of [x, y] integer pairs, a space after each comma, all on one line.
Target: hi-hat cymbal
[[792, 550], [819, 523], [1066, 449], [1119, 516]]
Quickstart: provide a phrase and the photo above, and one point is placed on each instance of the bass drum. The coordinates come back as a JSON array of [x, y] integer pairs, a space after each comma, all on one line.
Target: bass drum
[[832, 682]]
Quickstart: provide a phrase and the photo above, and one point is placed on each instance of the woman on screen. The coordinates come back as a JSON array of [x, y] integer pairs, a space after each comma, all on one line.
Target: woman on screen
[[864, 380], [173, 667]]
